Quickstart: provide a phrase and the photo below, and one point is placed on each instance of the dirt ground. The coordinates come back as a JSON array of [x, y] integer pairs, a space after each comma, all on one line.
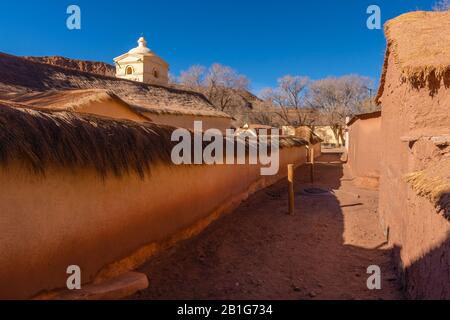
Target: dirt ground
[[260, 252]]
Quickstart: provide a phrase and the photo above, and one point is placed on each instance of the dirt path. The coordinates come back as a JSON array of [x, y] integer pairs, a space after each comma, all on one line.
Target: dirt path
[[259, 252]]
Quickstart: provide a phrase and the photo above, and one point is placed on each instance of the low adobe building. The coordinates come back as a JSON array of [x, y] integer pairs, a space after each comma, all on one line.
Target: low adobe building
[[23, 81], [314, 120], [258, 129], [325, 132], [303, 132], [415, 168], [364, 148], [307, 134]]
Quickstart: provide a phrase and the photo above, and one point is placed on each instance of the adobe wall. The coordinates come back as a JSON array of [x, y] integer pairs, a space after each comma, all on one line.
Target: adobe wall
[[425, 251], [364, 153], [112, 109], [317, 150], [415, 227], [66, 218], [187, 121]]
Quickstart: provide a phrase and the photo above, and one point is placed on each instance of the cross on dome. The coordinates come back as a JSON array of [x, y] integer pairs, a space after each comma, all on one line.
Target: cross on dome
[[141, 48], [142, 42]]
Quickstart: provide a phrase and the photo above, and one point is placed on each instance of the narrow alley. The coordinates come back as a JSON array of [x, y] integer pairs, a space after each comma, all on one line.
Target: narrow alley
[[260, 252]]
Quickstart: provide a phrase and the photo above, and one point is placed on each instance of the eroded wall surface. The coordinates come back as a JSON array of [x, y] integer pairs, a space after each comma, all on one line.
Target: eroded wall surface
[[76, 218], [421, 235]]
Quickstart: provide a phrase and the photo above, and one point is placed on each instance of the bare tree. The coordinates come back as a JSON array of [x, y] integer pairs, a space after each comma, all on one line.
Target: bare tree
[[338, 98], [193, 77], [173, 79], [442, 5], [262, 113], [289, 98], [221, 85]]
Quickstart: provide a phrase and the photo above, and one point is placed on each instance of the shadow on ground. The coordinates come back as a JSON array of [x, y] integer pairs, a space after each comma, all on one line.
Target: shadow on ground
[[260, 252]]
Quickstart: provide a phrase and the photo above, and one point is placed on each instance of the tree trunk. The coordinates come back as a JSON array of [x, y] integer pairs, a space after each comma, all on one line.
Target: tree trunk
[[336, 133], [342, 136]]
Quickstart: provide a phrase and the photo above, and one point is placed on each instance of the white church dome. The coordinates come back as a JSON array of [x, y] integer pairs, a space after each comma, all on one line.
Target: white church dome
[[141, 48]]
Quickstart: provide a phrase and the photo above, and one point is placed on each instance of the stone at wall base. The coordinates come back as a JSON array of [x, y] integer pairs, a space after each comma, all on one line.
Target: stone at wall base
[[120, 287]]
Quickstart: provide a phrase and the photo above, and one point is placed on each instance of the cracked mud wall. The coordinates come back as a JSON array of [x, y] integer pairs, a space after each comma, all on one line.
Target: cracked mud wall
[[411, 117]]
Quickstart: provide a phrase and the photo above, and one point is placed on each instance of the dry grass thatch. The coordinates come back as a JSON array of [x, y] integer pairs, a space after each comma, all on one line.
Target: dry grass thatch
[[290, 142], [69, 100], [434, 184], [40, 139], [70, 140], [420, 44]]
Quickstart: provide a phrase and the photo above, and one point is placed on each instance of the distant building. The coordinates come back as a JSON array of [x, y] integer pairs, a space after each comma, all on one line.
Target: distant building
[[143, 65], [327, 135], [258, 130], [303, 132], [364, 147]]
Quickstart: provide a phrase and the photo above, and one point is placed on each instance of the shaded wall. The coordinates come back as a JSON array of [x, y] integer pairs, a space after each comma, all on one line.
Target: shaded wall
[[414, 225], [65, 218], [317, 150], [364, 152]]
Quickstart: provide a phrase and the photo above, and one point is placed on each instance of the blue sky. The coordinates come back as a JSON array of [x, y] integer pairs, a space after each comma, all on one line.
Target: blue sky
[[261, 39]]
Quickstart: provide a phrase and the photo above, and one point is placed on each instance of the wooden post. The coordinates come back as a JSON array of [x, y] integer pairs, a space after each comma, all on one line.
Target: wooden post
[[313, 161], [291, 189]]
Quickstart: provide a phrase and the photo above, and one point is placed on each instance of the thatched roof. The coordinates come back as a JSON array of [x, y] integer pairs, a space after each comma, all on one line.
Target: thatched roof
[[21, 76], [147, 104], [290, 142], [70, 140], [434, 184], [40, 139], [72, 100], [420, 44]]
